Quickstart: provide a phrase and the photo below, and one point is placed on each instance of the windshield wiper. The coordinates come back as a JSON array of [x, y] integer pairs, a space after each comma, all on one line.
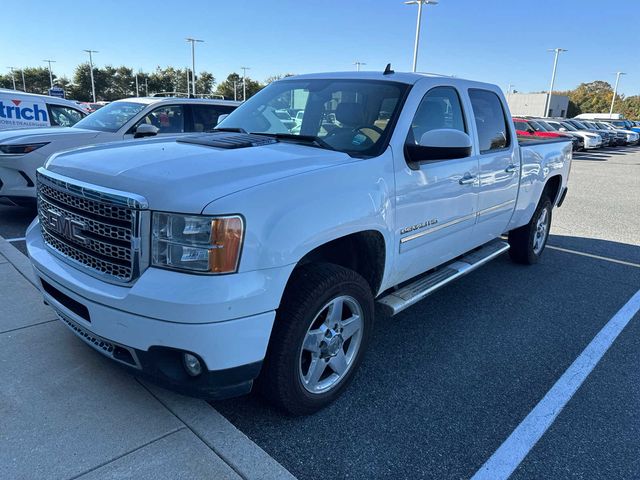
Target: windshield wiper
[[307, 139], [230, 129]]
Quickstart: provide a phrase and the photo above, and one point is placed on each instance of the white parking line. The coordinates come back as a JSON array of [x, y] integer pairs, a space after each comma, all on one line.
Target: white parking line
[[10, 240], [516, 447], [598, 257]]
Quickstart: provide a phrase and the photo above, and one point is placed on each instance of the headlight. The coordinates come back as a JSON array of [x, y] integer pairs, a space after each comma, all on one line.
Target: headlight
[[195, 243], [20, 149]]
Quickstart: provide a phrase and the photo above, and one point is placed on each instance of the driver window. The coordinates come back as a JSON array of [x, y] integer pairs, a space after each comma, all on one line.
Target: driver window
[[168, 119], [439, 108]]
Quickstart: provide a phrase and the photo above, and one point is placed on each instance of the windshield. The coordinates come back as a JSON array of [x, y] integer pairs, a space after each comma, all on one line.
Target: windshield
[[112, 117], [579, 125], [351, 116], [550, 127], [537, 126], [568, 126]]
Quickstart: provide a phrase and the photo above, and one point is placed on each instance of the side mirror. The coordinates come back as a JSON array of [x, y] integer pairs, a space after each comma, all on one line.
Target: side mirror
[[145, 130], [440, 144], [562, 129], [222, 117]]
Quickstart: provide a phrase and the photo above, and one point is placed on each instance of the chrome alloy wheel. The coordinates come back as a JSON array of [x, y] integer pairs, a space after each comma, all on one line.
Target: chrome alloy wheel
[[540, 235], [331, 344]]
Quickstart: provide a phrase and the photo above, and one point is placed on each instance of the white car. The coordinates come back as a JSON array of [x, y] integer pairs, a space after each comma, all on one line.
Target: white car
[[23, 151], [28, 110], [591, 140]]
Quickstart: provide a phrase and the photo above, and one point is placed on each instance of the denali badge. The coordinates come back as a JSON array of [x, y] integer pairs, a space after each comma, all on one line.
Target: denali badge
[[427, 223], [66, 227]]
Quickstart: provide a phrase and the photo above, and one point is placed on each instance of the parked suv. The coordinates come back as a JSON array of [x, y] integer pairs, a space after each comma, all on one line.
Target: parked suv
[[590, 140], [529, 127], [579, 139], [23, 151], [624, 135], [607, 137]]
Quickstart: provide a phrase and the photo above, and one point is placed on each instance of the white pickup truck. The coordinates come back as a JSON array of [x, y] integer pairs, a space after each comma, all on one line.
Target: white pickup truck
[[254, 254]]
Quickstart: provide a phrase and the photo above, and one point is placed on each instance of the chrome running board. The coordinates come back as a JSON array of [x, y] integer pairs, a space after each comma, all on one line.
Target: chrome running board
[[424, 286]]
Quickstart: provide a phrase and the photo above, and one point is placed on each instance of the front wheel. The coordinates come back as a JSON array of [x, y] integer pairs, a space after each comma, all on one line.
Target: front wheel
[[322, 329], [527, 242]]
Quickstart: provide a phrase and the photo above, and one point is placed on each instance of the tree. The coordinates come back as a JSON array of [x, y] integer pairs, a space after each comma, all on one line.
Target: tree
[[226, 88], [204, 83], [234, 80], [630, 107], [82, 83], [277, 77], [592, 97]]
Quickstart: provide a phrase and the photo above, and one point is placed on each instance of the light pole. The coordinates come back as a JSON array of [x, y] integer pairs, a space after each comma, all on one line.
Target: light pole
[[553, 78], [511, 85], [186, 70], [50, 74], [358, 65], [93, 85], [615, 91], [137, 87], [244, 82], [146, 87], [24, 85], [235, 90], [193, 61], [12, 77], [415, 47]]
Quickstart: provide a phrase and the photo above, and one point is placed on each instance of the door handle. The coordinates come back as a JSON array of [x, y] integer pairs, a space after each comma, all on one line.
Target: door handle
[[511, 168], [467, 180]]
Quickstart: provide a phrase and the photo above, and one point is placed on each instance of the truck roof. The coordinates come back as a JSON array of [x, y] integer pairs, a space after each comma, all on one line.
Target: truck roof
[[402, 77]]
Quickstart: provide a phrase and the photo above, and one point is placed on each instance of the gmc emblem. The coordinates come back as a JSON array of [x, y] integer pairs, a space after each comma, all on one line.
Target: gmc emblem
[[66, 227]]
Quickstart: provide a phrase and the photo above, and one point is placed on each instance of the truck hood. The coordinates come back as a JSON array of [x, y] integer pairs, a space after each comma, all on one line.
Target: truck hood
[[46, 134], [181, 177]]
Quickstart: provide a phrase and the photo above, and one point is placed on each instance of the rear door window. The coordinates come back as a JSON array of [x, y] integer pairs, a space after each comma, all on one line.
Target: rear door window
[[491, 123], [205, 117], [168, 119]]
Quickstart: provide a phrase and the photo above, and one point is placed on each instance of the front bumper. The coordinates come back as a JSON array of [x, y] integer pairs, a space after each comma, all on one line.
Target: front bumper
[[225, 321], [17, 177]]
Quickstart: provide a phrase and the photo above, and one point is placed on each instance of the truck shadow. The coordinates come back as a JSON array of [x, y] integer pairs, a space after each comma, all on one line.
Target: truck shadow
[[444, 382]]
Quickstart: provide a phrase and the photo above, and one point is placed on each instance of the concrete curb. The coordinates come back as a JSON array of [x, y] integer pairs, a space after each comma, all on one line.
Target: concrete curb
[[246, 458], [19, 261], [234, 447]]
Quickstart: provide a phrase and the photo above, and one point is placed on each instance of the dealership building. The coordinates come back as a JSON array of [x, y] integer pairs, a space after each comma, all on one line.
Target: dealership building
[[532, 104]]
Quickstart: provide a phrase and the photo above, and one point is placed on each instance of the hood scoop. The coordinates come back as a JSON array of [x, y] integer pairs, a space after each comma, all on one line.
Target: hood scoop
[[228, 140]]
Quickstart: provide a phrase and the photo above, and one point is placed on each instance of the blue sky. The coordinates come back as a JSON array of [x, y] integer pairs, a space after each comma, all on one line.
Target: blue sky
[[499, 41]]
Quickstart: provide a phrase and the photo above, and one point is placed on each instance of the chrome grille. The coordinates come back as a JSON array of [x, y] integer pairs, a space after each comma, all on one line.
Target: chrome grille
[[89, 206], [80, 225]]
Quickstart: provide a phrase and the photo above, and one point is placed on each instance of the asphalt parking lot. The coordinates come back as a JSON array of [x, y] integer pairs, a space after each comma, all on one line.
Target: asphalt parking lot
[[447, 381]]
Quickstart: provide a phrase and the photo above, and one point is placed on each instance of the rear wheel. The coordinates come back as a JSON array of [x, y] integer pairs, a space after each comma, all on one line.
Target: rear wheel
[[321, 332], [527, 242]]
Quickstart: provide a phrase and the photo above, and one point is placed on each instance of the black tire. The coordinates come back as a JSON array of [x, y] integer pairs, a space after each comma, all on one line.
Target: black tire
[[522, 240], [310, 289]]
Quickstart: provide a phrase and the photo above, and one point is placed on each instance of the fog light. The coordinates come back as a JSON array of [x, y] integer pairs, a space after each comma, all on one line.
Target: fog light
[[191, 364]]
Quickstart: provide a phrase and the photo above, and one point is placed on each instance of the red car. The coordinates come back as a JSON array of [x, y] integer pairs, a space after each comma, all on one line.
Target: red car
[[526, 127]]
